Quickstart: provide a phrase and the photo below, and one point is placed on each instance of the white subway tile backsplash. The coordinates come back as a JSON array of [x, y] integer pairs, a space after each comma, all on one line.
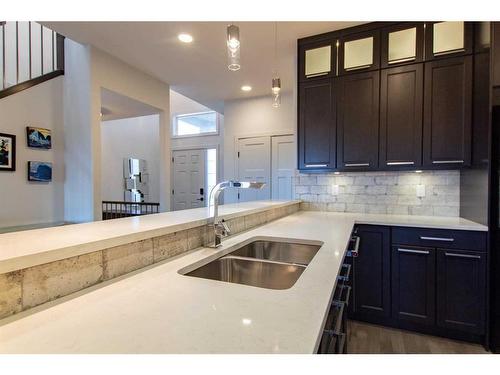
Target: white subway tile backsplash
[[381, 192]]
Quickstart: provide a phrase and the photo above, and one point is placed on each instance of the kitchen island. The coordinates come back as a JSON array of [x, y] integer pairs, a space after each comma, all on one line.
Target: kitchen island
[[157, 309]]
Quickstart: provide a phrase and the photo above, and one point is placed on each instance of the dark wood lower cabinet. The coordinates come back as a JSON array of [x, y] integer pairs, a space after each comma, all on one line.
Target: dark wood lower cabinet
[[438, 289], [413, 284], [461, 290]]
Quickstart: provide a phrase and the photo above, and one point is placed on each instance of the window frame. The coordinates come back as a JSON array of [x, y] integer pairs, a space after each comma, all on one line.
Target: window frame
[[176, 117]]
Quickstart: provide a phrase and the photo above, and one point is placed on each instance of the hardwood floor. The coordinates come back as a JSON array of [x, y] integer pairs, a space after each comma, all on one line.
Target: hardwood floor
[[366, 338]]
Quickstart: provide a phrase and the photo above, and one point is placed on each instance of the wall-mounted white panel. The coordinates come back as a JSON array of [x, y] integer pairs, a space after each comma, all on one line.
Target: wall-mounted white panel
[[448, 37], [402, 45], [318, 61], [358, 53]]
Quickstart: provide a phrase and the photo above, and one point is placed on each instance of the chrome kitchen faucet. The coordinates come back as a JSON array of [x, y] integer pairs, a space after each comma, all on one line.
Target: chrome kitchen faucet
[[221, 229]]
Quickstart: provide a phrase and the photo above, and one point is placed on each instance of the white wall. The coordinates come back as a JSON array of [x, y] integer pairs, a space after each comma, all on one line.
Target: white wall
[[254, 116], [135, 137], [23, 202], [83, 120]]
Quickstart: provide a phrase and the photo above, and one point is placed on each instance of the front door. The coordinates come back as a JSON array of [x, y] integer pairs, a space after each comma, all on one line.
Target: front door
[[189, 186]]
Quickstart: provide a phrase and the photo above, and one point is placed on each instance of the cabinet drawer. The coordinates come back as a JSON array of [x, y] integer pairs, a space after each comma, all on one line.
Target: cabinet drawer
[[441, 238]]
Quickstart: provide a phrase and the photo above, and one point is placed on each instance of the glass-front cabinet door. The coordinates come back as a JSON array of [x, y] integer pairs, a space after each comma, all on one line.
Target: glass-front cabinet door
[[402, 44], [448, 38], [359, 52], [317, 60]]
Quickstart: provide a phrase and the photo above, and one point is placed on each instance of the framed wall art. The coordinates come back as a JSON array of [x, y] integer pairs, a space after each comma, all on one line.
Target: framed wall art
[[7, 152]]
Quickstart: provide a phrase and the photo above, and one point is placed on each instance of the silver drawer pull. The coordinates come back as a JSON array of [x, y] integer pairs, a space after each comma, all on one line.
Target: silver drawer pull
[[315, 165], [354, 252], [400, 163], [462, 255], [437, 239], [447, 161], [413, 251], [356, 164]]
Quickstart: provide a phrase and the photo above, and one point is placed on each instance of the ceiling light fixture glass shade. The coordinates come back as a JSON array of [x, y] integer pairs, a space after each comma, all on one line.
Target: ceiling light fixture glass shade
[[233, 47], [276, 90]]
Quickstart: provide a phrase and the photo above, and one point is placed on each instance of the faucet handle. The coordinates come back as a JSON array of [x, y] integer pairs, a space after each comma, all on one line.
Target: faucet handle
[[226, 228]]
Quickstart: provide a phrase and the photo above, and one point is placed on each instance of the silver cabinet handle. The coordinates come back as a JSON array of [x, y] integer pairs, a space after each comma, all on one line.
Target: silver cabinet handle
[[354, 252], [462, 255], [413, 251], [400, 163], [358, 67], [401, 60], [315, 165], [442, 53], [356, 164], [437, 239], [447, 161]]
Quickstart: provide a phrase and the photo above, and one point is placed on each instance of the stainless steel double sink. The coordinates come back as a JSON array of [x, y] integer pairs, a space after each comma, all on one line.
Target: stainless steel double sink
[[261, 263]]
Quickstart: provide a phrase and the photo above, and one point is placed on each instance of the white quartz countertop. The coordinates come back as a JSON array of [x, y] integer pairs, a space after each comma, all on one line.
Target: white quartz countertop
[[28, 248], [159, 310]]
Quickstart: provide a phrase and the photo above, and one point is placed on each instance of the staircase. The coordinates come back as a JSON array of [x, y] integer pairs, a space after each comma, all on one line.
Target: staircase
[[30, 53]]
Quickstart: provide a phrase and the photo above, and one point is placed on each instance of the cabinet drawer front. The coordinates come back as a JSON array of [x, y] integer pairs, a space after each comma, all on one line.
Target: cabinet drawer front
[[441, 238]]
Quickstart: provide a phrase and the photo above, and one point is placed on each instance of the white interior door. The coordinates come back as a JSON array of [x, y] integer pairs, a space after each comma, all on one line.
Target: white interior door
[[254, 164], [189, 183], [283, 166]]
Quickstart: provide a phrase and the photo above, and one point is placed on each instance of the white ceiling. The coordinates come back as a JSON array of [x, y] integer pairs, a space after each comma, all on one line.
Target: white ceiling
[[198, 70]]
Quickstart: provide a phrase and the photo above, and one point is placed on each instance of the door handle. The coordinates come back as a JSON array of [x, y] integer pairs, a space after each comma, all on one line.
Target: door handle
[[462, 255], [437, 239], [201, 199], [413, 251]]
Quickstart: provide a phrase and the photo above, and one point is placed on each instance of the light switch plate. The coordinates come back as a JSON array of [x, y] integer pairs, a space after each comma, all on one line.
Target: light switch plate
[[420, 191], [335, 189]]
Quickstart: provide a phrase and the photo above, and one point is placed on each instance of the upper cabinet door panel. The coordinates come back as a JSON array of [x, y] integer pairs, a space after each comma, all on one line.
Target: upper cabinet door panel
[[317, 125], [317, 60], [401, 106], [496, 53], [359, 52], [358, 114], [402, 44], [448, 38], [448, 112]]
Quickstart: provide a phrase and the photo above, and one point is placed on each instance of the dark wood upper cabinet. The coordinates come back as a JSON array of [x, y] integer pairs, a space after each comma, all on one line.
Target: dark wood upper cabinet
[[402, 44], [317, 130], [371, 274], [461, 290], [401, 104], [446, 39], [496, 53], [357, 121], [448, 112], [359, 52], [481, 109], [317, 60], [413, 284]]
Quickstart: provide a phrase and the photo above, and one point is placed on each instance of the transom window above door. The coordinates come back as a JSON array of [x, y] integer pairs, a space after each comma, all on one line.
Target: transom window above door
[[195, 124]]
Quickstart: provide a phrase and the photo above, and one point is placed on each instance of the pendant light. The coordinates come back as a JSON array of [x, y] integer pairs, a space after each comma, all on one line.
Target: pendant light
[[233, 47], [276, 82]]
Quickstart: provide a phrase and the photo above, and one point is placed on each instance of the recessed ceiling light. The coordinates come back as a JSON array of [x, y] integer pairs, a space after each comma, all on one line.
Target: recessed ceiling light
[[246, 88], [185, 38]]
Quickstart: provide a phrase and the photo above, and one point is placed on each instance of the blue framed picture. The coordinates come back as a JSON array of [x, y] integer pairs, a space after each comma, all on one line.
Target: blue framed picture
[[40, 171], [39, 138]]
